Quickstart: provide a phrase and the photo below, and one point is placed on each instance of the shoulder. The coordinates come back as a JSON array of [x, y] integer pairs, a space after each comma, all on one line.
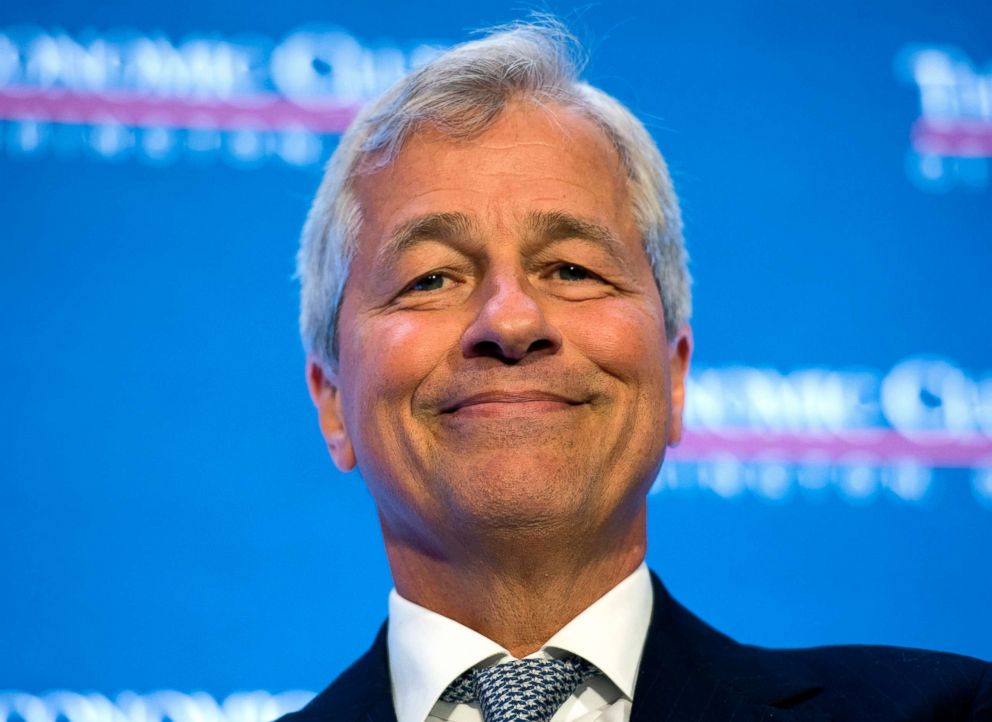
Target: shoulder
[[897, 679], [874, 682], [361, 692], [851, 682]]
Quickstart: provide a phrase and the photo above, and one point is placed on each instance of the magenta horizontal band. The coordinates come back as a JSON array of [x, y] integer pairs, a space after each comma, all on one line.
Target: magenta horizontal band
[[960, 138], [882, 446], [256, 112]]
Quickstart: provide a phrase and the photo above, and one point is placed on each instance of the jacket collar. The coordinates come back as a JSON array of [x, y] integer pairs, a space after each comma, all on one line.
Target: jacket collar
[[363, 692], [690, 671]]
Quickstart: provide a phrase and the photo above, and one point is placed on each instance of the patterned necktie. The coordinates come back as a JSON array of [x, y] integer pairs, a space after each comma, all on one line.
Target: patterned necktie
[[525, 690]]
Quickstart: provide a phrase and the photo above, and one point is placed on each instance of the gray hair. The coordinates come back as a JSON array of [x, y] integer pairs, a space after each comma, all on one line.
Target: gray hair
[[461, 93]]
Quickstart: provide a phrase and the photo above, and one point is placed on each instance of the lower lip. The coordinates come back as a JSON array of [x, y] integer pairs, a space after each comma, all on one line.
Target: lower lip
[[508, 409]]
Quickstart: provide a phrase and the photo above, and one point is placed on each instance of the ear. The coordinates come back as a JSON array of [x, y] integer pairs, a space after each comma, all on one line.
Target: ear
[[326, 396], [679, 354]]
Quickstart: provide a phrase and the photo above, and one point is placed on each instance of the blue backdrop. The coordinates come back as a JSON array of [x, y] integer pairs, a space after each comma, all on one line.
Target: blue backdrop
[[170, 518]]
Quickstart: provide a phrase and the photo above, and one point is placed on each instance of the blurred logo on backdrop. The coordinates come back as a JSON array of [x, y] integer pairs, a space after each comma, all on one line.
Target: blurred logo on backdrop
[[163, 706], [249, 100], [952, 138], [245, 101], [861, 435]]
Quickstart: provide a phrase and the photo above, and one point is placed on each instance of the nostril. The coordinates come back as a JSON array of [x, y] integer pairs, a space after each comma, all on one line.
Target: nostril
[[508, 356], [540, 345], [488, 348]]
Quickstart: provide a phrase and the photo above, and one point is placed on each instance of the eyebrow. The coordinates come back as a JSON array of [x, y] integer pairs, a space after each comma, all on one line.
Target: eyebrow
[[543, 228], [444, 227], [547, 227]]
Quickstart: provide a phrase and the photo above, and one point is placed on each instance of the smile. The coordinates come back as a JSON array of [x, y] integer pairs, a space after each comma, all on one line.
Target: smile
[[509, 404]]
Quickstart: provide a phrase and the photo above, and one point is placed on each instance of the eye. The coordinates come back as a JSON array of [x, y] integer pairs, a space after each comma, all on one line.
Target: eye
[[430, 282], [573, 272]]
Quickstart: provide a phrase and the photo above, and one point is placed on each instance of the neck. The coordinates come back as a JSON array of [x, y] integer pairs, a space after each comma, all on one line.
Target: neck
[[521, 590]]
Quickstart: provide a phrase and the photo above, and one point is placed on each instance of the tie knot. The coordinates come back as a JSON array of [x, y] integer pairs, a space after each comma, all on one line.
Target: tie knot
[[525, 690]]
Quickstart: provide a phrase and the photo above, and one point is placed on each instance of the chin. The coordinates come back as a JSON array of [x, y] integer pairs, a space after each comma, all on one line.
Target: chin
[[515, 496]]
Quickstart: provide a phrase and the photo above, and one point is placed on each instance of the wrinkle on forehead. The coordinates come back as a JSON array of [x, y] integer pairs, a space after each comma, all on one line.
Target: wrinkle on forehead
[[518, 121], [489, 145], [552, 153]]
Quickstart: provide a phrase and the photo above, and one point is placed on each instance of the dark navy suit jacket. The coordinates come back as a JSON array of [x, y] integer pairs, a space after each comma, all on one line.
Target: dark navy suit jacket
[[691, 672]]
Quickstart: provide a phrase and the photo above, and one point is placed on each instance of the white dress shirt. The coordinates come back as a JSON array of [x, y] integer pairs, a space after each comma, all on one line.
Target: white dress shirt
[[427, 651]]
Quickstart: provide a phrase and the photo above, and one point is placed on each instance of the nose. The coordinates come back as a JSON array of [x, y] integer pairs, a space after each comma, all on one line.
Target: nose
[[511, 323]]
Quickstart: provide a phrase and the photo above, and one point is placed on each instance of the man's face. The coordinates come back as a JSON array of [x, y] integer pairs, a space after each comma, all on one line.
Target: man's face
[[503, 361]]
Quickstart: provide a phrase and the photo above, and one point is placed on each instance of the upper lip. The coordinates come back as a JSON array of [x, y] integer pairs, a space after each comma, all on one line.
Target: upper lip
[[506, 397]]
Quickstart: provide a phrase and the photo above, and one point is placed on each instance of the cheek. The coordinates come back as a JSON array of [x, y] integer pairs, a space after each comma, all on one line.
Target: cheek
[[394, 354], [625, 339]]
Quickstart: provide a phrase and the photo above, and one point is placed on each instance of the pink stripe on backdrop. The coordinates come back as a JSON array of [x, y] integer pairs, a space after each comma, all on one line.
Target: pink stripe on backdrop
[[879, 445], [258, 112], [960, 138]]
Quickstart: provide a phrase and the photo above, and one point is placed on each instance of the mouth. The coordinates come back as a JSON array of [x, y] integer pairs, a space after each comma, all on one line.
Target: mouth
[[510, 403]]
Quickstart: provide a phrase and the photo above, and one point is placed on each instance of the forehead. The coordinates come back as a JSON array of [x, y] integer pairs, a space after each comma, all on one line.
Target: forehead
[[532, 158]]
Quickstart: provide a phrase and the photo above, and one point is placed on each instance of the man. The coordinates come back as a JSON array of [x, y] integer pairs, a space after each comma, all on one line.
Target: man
[[495, 307]]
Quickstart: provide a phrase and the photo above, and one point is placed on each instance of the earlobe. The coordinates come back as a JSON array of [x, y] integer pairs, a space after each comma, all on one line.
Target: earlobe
[[680, 353], [326, 396]]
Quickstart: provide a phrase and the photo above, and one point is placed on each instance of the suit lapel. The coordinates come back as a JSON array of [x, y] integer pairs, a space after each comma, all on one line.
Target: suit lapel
[[689, 671], [363, 692], [375, 701]]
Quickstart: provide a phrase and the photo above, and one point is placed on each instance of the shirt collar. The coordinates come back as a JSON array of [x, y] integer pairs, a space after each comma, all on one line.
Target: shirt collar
[[610, 633], [427, 651]]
